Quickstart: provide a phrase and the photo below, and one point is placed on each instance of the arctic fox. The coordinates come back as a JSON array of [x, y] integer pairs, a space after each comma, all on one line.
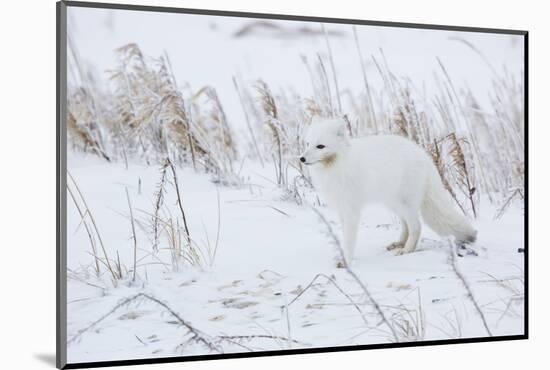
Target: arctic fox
[[386, 169]]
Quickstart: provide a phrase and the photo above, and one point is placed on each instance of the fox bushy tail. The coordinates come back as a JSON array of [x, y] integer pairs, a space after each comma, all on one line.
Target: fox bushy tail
[[441, 214]]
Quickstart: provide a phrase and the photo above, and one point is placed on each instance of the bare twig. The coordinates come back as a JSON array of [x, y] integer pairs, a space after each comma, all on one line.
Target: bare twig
[[506, 204], [133, 233], [88, 231], [171, 165], [471, 296], [158, 204], [329, 279], [333, 68], [259, 336], [354, 275], [327, 84], [287, 317], [365, 81], [218, 228], [89, 213], [248, 125], [197, 335]]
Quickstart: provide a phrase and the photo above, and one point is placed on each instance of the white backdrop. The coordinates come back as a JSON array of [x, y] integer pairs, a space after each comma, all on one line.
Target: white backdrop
[[27, 188]]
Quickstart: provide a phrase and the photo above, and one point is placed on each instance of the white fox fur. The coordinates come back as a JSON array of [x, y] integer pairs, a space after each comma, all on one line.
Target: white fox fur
[[388, 170]]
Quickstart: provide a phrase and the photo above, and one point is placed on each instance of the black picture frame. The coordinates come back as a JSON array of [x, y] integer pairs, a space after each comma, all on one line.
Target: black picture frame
[[61, 193]]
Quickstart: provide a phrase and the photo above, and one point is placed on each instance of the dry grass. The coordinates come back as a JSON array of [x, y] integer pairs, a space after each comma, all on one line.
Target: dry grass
[[92, 230], [148, 115], [169, 232]]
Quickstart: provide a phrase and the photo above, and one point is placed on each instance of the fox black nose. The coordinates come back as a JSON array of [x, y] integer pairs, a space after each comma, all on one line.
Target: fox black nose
[[302, 159]]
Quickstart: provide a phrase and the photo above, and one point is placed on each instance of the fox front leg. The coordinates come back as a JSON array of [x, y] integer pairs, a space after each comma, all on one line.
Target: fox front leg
[[350, 224]]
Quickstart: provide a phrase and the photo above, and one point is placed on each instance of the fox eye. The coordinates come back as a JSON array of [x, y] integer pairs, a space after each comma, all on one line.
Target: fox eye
[[320, 146]]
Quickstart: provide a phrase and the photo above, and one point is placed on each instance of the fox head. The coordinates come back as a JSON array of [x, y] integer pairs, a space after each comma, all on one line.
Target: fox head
[[325, 139]]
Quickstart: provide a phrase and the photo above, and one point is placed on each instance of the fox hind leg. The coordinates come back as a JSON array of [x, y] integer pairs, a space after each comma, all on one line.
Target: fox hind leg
[[402, 237], [415, 228]]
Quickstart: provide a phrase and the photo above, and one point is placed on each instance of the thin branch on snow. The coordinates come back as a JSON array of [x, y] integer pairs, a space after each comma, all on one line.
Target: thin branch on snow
[[329, 279], [354, 275], [197, 335], [174, 175], [259, 336], [92, 219], [133, 233], [287, 317], [471, 296], [159, 200], [235, 342]]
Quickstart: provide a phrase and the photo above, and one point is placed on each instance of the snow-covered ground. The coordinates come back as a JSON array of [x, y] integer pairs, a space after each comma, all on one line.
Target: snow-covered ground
[[269, 250]]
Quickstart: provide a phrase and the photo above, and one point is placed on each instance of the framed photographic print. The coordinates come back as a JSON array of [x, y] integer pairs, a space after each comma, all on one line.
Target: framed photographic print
[[236, 184]]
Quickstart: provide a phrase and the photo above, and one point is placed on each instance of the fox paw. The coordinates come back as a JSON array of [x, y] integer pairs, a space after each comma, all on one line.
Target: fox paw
[[403, 251], [396, 245], [340, 264]]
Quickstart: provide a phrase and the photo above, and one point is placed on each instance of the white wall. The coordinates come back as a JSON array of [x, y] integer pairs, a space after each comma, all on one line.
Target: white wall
[[27, 148]]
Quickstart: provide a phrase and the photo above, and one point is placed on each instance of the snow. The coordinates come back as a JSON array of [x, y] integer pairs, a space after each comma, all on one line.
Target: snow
[[264, 259]]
